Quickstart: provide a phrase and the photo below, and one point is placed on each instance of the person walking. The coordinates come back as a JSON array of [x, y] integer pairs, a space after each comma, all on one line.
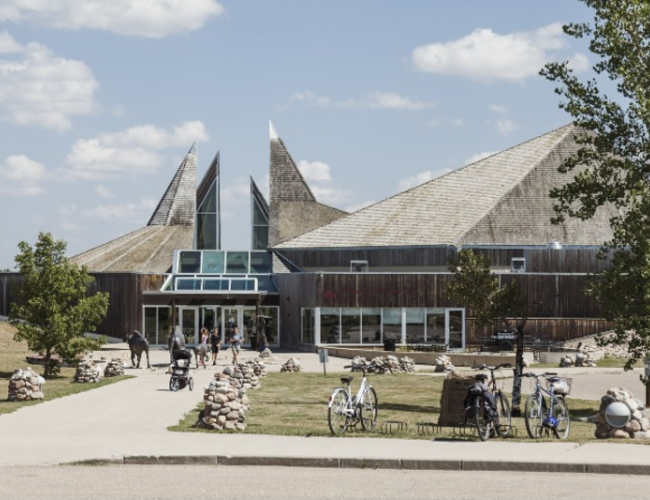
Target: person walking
[[235, 344], [215, 343]]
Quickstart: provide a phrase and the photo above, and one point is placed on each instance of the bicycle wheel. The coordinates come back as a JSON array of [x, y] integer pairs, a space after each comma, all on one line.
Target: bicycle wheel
[[561, 413], [504, 425], [483, 420], [174, 384], [337, 417], [369, 410], [190, 384], [534, 415]]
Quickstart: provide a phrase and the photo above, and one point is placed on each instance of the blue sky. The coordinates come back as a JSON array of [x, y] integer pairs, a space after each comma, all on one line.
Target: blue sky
[[99, 101]]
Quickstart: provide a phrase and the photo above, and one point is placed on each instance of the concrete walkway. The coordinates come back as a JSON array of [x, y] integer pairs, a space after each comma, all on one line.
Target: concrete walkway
[[127, 423]]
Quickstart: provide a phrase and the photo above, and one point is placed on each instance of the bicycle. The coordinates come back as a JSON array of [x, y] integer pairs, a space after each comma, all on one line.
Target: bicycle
[[345, 410], [487, 405], [544, 415]]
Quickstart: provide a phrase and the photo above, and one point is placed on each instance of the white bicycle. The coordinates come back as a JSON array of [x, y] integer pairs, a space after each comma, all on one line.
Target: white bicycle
[[345, 411]]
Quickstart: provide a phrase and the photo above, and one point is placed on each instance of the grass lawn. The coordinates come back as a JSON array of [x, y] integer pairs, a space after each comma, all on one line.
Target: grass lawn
[[295, 404], [12, 357]]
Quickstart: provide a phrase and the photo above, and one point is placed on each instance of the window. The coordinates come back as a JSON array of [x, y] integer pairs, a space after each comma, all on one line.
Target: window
[[189, 262], [358, 266], [518, 264], [307, 326]]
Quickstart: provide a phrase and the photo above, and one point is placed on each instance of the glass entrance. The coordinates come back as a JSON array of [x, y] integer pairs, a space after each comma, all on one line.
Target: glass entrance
[[189, 323], [455, 328]]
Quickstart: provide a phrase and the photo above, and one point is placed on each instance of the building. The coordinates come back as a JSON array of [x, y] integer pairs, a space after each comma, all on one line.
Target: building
[[316, 275]]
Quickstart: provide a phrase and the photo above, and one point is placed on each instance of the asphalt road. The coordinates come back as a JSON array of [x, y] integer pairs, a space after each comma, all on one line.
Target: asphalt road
[[170, 482]]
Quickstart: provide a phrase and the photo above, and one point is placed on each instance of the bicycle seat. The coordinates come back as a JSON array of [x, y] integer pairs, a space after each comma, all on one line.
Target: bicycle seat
[[347, 380], [553, 379], [480, 376]]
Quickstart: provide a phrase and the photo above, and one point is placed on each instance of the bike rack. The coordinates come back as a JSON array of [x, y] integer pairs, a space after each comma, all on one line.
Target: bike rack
[[464, 430], [390, 426], [428, 428]]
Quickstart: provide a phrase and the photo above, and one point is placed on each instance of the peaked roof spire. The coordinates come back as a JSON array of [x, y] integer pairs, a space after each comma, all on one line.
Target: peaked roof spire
[[178, 204], [273, 134]]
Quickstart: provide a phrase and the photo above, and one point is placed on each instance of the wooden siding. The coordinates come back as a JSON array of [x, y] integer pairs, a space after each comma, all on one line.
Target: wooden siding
[[538, 260]]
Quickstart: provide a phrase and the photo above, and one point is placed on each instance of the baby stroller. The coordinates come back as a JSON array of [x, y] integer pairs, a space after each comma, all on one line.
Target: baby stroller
[[181, 371]]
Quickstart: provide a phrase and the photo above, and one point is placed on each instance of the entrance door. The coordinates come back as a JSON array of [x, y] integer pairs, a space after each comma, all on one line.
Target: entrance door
[[189, 323], [244, 319], [455, 328]]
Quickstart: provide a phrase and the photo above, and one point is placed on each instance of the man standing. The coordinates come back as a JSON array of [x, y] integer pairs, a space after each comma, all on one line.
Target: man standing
[[235, 344]]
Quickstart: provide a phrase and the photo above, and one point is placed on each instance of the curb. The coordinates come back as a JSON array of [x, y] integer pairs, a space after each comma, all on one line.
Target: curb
[[368, 463]]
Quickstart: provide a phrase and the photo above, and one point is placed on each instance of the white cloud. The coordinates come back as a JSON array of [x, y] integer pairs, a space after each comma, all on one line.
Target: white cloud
[[416, 180], [314, 171], [20, 176], [372, 100], [67, 210], [437, 122], [122, 212], [385, 100], [38, 88], [133, 151], [499, 109], [505, 126], [486, 56], [331, 195], [479, 156], [8, 45], [359, 206], [310, 99], [146, 18], [103, 192]]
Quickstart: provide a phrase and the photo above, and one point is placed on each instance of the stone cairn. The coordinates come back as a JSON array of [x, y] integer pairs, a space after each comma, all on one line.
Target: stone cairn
[[454, 390], [257, 365], [637, 428], [444, 364], [291, 365], [226, 405], [266, 353], [114, 368], [87, 372], [384, 364], [584, 358], [25, 385], [242, 376]]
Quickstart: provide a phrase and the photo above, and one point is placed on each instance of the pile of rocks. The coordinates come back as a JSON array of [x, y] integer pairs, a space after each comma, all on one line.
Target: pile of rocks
[[383, 364], [242, 376], [566, 361], [114, 368], [87, 372], [584, 358], [225, 405], [444, 364], [291, 365], [637, 428], [257, 365], [25, 385], [266, 353]]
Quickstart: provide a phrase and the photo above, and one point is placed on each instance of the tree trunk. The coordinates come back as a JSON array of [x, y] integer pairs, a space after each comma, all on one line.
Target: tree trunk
[[519, 369], [47, 359]]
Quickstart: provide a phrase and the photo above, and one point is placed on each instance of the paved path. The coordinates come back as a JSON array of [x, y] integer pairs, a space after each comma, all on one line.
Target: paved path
[[127, 422]]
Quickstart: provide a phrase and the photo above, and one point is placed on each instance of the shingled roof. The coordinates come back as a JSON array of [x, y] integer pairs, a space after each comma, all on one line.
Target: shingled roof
[[499, 200], [150, 249]]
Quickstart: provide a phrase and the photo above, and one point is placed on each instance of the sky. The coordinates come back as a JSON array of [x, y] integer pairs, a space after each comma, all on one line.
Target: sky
[[100, 101]]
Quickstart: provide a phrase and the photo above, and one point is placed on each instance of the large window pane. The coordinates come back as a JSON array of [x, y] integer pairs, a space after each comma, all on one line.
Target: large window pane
[[187, 284], [456, 329], [260, 237], [330, 331], [307, 333], [212, 262], [414, 325], [150, 324], [392, 324], [164, 324], [260, 263], [237, 262], [270, 317], [206, 231], [436, 325], [371, 326], [351, 326], [190, 262]]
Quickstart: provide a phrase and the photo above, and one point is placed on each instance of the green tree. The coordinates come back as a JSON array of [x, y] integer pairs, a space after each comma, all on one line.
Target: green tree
[[612, 164], [54, 310], [487, 303]]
